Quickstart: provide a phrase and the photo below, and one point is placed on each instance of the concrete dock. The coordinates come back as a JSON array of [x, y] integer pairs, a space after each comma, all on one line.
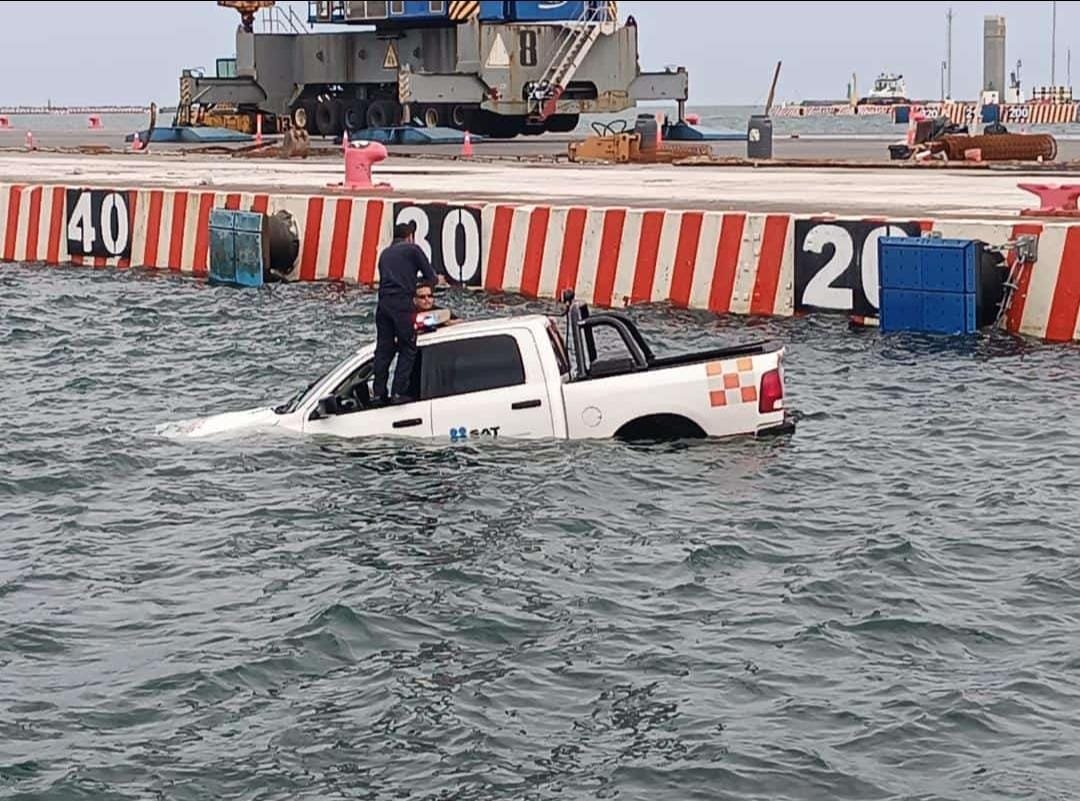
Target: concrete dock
[[915, 192], [745, 239]]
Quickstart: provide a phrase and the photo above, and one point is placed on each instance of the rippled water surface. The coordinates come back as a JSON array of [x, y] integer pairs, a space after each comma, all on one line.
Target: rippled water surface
[[883, 606]]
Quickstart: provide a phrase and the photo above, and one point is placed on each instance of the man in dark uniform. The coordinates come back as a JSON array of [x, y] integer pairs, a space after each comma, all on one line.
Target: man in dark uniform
[[395, 321]]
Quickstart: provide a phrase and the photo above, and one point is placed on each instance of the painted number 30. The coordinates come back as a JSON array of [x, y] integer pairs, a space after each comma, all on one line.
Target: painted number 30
[[111, 226], [461, 268], [820, 291]]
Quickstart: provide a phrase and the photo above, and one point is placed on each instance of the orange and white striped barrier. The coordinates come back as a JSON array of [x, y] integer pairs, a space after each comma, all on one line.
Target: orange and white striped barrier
[[723, 262]]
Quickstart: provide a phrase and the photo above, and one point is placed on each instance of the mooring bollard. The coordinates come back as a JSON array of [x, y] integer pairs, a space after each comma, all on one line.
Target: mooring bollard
[[359, 156]]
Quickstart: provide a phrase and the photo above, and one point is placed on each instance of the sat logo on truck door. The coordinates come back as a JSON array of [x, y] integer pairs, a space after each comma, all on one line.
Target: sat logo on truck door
[[460, 433]]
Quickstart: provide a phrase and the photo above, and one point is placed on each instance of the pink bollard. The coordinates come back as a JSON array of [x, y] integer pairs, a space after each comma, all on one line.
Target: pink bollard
[[359, 156]]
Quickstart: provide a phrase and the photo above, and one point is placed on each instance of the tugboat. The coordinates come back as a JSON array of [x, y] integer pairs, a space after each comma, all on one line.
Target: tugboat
[[889, 90]]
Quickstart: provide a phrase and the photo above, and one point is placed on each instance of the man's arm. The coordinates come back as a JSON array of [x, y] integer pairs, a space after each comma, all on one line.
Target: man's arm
[[424, 266]]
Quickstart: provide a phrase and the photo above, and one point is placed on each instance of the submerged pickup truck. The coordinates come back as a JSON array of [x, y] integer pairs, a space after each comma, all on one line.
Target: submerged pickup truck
[[516, 378]]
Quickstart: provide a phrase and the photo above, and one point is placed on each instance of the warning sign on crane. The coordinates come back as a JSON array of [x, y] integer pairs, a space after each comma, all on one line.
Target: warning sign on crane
[[391, 60], [499, 56]]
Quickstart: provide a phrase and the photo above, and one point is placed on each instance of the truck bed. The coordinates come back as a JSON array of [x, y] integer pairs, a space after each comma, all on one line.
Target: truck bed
[[606, 368]]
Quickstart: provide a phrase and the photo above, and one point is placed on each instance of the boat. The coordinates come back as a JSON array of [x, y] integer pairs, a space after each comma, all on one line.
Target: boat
[[888, 90]]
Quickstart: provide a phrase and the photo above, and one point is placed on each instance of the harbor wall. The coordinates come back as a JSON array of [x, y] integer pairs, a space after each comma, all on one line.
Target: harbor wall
[[958, 112], [723, 262]]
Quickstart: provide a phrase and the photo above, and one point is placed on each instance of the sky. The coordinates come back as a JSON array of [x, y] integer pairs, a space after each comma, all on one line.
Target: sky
[[103, 52]]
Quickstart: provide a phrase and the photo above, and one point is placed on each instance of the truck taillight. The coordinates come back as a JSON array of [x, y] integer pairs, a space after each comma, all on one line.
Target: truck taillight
[[771, 397]]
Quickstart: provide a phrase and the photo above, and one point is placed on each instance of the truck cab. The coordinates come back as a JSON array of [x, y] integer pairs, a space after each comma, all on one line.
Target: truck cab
[[481, 379]]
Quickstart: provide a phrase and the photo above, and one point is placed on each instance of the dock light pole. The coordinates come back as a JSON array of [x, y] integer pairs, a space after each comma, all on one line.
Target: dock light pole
[[948, 53], [943, 65], [1053, 43]]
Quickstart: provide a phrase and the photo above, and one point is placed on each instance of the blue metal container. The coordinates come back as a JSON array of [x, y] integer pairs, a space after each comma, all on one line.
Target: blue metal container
[[239, 248], [929, 285]]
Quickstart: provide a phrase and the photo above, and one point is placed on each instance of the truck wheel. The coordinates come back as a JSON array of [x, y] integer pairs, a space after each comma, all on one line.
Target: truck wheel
[[460, 116], [431, 116], [562, 123], [383, 114], [356, 115], [328, 117], [660, 427]]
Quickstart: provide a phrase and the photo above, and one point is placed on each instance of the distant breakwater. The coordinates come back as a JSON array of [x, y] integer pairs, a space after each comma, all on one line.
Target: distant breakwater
[[80, 109]]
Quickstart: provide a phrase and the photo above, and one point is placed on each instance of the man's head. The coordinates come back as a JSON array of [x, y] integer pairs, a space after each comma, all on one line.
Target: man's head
[[424, 299], [405, 231]]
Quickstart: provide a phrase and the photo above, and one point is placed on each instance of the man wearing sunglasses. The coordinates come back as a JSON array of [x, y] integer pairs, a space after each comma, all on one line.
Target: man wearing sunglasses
[[424, 303]]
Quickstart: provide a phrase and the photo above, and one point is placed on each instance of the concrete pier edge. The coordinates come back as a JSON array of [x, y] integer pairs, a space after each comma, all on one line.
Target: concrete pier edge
[[725, 262]]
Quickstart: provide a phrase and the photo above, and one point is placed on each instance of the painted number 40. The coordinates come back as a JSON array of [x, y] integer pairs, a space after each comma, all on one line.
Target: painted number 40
[[98, 223]]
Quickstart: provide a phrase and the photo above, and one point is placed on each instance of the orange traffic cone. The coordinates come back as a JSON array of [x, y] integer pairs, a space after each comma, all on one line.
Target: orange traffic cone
[[466, 148]]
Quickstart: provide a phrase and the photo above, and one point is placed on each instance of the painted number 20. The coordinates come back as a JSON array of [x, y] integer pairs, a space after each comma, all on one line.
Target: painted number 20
[[112, 223], [820, 291]]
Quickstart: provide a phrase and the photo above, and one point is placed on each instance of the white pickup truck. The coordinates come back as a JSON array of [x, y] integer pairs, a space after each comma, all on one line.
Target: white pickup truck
[[515, 378]]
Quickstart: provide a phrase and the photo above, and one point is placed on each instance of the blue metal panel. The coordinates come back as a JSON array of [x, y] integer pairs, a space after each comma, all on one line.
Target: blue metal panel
[[946, 265], [899, 267], [949, 265], [239, 250], [927, 312], [901, 310], [948, 312], [547, 12], [421, 10], [493, 11]]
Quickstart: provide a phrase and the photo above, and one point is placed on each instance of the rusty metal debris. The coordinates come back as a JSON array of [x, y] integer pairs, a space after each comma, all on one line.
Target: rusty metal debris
[[613, 144], [1000, 147]]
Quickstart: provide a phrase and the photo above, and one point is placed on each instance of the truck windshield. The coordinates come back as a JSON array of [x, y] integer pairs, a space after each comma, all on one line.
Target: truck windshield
[[291, 405]]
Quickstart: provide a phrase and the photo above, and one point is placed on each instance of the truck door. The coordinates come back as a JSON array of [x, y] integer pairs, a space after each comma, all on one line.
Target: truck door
[[489, 386], [351, 413]]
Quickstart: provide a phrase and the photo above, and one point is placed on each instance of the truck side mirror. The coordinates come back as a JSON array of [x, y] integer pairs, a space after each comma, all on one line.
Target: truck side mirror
[[327, 407]]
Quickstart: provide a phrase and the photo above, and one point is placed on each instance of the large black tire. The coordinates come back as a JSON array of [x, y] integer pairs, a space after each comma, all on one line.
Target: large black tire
[[562, 123], [497, 126], [383, 114], [328, 117], [461, 117], [356, 115]]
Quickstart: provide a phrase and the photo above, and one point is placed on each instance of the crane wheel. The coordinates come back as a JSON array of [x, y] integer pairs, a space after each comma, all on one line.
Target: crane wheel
[[383, 114], [328, 117], [300, 118], [432, 116], [356, 115]]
